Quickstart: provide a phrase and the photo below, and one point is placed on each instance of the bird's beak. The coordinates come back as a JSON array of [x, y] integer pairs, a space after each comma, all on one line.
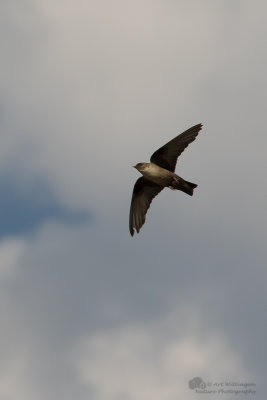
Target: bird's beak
[[134, 166]]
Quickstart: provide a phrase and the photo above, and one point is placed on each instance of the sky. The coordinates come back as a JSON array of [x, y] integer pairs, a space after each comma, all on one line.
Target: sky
[[88, 89]]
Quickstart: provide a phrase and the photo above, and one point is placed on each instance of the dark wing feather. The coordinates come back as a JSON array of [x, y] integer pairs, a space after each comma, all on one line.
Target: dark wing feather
[[143, 193], [166, 156]]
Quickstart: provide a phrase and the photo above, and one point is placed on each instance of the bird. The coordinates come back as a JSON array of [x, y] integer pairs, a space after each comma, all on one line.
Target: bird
[[157, 175]]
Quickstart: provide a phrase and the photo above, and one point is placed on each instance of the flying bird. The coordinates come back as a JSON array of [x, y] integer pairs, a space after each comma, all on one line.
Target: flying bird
[[158, 174]]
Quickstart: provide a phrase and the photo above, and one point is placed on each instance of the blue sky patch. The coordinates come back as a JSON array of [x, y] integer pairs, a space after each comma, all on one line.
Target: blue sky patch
[[23, 209]]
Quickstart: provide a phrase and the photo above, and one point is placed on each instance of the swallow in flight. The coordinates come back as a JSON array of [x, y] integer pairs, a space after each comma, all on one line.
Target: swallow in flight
[[158, 174]]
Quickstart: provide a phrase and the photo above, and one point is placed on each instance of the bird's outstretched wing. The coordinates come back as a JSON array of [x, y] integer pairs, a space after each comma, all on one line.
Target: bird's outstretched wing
[[144, 192], [166, 156]]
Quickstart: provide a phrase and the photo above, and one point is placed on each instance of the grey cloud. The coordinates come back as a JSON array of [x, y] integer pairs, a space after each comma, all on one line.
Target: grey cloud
[[65, 295]]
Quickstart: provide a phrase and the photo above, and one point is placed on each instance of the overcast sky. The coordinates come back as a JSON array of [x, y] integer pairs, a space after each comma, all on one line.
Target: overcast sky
[[88, 89]]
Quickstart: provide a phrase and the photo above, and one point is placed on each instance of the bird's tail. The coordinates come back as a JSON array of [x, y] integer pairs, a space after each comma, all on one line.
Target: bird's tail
[[184, 186]]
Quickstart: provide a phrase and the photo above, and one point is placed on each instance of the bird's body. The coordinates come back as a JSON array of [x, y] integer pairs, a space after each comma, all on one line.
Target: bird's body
[[159, 173], [156, 174]]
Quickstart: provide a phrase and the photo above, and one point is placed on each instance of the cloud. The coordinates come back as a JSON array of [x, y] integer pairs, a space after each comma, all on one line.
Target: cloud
[[10, 253], [72, 308], [81, 82], [151, 361]]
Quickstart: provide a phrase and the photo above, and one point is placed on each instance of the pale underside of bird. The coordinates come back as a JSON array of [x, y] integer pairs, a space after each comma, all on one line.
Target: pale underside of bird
[[158, 174]]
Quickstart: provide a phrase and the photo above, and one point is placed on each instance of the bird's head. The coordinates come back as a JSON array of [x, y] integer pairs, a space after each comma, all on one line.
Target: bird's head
[[141, 166]]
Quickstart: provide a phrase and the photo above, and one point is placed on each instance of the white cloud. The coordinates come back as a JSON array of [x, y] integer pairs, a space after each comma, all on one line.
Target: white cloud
[[72, 315], [146, 361]]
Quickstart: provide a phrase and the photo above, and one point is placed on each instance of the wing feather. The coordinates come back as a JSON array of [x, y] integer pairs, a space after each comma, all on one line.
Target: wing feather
[[143, 193], [166, 156]]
